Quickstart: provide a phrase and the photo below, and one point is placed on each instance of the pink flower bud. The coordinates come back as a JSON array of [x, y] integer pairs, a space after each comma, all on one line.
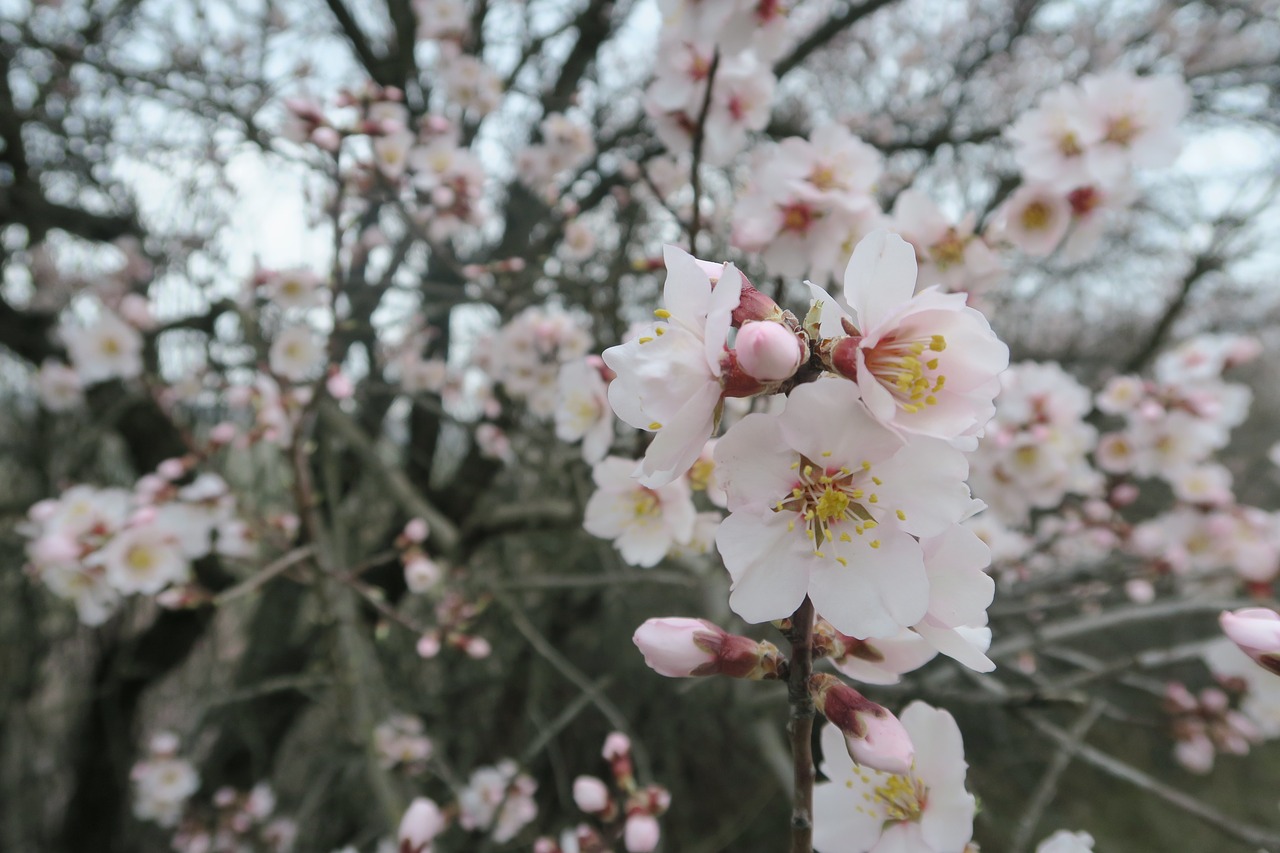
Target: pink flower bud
[[590, 794], [223, 433], [677, 647], [1256, 630], [428, 645], [421, 823], [769, 351], [477, 648], [172, 469], [616, 745], [641, 833], [754, 305], [416, 530], [421, 573], [326, 138], [873, 736], [339, 386]]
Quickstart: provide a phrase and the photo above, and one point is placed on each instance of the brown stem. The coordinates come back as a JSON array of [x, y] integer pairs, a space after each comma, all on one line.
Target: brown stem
[[699, 137], [801, 727]]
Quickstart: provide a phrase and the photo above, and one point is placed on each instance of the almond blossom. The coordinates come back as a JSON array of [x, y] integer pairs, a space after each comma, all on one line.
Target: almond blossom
[[950, 253], [924, 363], [108, 349], [826, 502], [668, 378], [583, 411], [925, 809], [644, 523]]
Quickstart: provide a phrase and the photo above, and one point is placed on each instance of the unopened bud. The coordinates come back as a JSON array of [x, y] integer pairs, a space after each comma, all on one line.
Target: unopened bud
[[1256, 630], [421, 823], [590, 794], [681, 648], [755, 306], [641, 833], [769, 351], [841, 355], [874, 737]]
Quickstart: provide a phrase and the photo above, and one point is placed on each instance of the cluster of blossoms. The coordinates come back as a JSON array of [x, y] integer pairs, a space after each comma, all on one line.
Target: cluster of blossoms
[[848, 491], [163, 782], [566, 144], [808, 202], [1205, 724], [497, 801], [628, 813], [535, 344], [853, 494], [236, 822], [96, 546], [1078, 151], [1244, 708], [233, 822], [437, 178], [724, 44], [1037, 446], [454, 615]]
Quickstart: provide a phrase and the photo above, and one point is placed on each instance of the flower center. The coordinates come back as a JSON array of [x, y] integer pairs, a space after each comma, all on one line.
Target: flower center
[[823, 177], [1036, 216], [824, 498], [903, 798], [909, 369], [1069, 145], [1122, 130], [949, 251], [797, 216], [644, 504], [140, 559]]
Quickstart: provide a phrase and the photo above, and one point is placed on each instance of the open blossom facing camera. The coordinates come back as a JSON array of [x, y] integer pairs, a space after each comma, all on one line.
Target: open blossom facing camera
[[668, 378], [924, 809], [108, 349], [827, 503], [643, 522], [923, 363]]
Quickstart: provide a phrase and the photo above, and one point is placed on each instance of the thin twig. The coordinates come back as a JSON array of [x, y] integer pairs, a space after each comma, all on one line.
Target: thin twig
[[801, 727], [1263, 839], [699, 137], [566, 668], [1048, 786], [279, 567]]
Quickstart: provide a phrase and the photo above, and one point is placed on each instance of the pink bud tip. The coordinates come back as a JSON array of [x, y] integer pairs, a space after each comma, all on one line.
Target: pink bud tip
[[416, 530], [616, 745], [670, 646], [590, 794], [421, 823], [1256, 630], [768, 351], [641, 833]]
